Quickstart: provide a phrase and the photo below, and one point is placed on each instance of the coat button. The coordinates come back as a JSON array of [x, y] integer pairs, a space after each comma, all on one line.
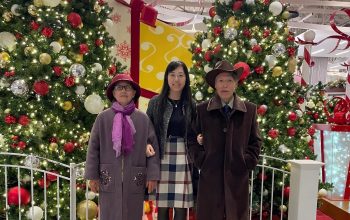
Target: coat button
[[224, 130]]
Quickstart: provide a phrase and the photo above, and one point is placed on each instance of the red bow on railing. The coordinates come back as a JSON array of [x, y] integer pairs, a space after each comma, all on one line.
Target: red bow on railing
[[341, 111]]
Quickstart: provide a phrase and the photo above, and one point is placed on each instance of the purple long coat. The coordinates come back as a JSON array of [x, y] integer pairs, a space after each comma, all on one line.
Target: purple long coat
[[122, 179], [230, 150]]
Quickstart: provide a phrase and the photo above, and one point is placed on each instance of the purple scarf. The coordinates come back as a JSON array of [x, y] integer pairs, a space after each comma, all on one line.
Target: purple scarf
[[123, 128]]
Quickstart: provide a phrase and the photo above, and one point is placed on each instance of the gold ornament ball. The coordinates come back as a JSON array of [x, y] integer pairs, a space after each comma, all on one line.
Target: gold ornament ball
[[38, 3], [7, 16], [97, 8], [292, 64], [32, 10], [210, 90], [232, 22], [285, 15], [200, 80], [85, 138], [60, 41], [53, 146], [283, 208], [67, 105], [4, 56], [92, 210], [277, 71], [301, 121], [45, 58], [234, 44], [286, 31], [78, 58]]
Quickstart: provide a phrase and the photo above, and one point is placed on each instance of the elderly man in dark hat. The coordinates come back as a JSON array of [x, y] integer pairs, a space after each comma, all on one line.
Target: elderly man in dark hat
[[116, 162], [228, 149]]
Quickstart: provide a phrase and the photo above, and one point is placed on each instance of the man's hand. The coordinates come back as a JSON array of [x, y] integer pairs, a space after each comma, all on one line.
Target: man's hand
[[151, 185], [94, 185], [150, 151]]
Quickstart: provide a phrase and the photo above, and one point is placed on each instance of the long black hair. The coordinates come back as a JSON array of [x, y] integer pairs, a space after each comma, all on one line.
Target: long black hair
[[186, 95]]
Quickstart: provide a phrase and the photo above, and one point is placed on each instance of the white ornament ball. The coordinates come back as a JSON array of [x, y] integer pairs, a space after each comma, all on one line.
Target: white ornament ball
[[276, 8], [77, 70], [198, 96], [19, 87], [253, 42], [309, 35], [322, 193], [31, 161], [26, 179], [230, 33], [250, 2], [108, 23], [7, 41], [283, 148], [266, 192], [35, 213], [278, 49], [283, 208], [7, 111], [94, 104], [80, 90], [310, 104], [90, 195], [271, 60], [207, 68], [56, 47], [62, 59], [299, 113], [14, 9], [97, 67], [51, 3], [206, 43], [217, 18]]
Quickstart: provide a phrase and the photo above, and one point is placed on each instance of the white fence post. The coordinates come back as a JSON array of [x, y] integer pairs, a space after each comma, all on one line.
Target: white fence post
[[73, 189], [303, 189]]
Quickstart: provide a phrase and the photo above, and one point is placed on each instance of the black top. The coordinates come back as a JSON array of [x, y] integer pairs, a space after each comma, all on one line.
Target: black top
[[177, 121]]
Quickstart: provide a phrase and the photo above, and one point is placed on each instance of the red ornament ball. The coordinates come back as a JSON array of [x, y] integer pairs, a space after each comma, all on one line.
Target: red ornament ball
[[23, 120], [57, 70], [41, 183], [262, 110], [273, 133], [21, 145], [83, 48], [259, 69], [262, 176], [12, 196], [300, 100], [207, 55], [256, 48], [47, 32], [212, 12], [286, 191], [291, 131], [292, 116], [315, 116], [74, 19], [237, 5], [98, 42], [311, 131], [51, 177], [41, 87], [69, 81], [68, 147]]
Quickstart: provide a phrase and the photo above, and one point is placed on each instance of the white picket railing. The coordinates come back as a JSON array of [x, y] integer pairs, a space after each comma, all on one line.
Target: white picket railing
[[304, 176]]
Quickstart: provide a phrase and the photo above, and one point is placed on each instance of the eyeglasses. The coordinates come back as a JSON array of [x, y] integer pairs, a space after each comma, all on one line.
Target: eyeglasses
[[121, 87]]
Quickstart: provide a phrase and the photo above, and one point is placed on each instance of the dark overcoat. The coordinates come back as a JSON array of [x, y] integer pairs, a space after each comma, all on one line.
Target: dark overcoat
[[122, 179], [230, 150]]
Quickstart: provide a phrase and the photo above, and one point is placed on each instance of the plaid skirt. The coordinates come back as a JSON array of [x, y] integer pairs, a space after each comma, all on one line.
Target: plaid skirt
[[175, 185]]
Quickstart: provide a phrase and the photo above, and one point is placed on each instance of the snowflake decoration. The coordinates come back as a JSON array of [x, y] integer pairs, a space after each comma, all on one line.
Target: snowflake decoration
[[116, 18], [123, 50]]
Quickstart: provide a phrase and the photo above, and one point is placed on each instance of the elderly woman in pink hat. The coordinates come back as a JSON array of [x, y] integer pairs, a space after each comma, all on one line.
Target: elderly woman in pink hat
[[116, 164]]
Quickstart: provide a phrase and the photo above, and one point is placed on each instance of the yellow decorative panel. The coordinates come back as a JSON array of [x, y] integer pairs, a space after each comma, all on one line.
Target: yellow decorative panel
[[159, 46]]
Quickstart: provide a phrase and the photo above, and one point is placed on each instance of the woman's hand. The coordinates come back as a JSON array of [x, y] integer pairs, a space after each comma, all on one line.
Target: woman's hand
[[200, 139], [150, 151], [94, 185], [151, 185]]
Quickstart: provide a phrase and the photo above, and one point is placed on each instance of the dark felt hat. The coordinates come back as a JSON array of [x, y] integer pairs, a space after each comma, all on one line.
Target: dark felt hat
[[223, 66], [126, 78]]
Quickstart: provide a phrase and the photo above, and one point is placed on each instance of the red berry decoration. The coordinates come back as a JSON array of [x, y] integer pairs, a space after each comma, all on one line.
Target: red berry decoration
[[207, 55], [57, 70], [83, 48], [197, 50], [47, 32], [98, 42], [259, 69], [12, 196], [217, 30], [69, 81], [316, 116], [300, 100]]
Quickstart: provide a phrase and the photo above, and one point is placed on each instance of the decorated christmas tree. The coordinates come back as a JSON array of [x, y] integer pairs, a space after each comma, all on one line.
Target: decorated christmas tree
[[253, 34], [54, 66]]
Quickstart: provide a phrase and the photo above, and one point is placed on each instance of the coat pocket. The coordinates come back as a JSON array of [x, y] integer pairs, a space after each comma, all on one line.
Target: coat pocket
[[107, 177], [138, 180]]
